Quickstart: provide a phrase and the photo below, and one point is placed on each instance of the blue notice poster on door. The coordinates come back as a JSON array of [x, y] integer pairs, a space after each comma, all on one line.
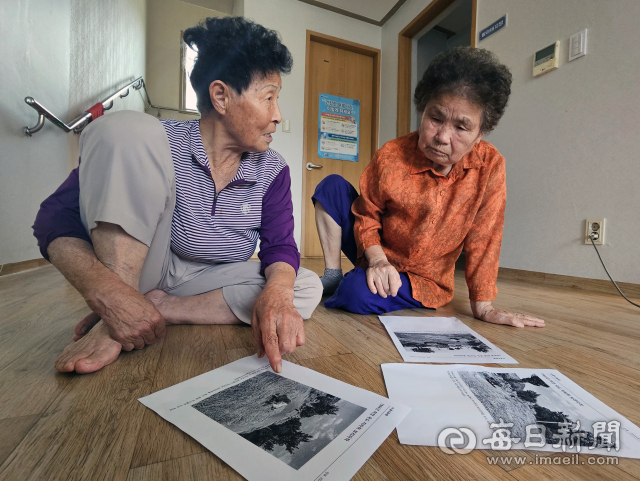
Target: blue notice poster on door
[[338, 128]]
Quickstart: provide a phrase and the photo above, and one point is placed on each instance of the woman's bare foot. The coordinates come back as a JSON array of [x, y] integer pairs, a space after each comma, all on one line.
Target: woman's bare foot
[[158, 297], [85, 325], [207, 308], [163, 303], [91, 353]]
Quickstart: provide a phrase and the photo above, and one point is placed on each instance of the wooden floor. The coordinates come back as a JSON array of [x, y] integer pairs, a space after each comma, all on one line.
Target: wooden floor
[[67, 427]]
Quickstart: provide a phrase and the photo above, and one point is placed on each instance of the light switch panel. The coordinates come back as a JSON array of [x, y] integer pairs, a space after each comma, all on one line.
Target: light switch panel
[[578, 45]]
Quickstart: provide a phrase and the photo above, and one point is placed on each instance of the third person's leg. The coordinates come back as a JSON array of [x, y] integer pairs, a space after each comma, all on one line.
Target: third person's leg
[[330, 235], [334, 220]]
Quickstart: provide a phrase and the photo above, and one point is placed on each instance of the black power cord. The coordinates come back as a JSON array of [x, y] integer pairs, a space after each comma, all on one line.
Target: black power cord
[[591, 237]]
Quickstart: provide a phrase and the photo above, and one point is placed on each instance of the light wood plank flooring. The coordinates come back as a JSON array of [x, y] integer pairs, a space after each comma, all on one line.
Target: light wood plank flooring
[[84, 427]]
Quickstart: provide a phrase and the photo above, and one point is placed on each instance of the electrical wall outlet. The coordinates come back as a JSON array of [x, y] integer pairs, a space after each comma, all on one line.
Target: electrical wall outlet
[[594, 227]]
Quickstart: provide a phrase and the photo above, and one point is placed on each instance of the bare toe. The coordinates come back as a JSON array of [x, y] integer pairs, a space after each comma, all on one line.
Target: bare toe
[[92, 352], [66, 362], [99, 358], [85, 325]]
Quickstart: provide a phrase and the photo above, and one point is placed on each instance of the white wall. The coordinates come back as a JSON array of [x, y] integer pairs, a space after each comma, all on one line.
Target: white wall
[[68, 55], [570, 137], [238, 8], [292, 18], [34, 62], [166, 20], [107, 52]]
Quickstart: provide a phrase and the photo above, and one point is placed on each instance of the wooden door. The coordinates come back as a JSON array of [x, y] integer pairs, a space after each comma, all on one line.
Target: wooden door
[[336, 71]]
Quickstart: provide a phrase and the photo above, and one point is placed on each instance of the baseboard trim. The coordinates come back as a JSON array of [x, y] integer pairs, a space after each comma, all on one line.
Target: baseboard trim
[[591, 285], [15, 267]]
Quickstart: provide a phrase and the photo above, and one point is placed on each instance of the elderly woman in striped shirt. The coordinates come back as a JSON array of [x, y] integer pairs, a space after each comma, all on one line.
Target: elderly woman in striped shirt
[[157, 224]]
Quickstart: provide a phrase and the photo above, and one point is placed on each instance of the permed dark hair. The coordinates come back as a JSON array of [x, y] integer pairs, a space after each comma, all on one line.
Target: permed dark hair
[[472, 73], [234, 50]]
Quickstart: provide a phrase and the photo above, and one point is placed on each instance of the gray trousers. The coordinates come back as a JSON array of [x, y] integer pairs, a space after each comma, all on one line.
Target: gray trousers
[[127, 178]]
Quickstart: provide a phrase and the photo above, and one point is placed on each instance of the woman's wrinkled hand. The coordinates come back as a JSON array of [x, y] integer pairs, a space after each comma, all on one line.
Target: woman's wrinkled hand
[[484, 311], [131, 319], [277, 327], [383, 279]]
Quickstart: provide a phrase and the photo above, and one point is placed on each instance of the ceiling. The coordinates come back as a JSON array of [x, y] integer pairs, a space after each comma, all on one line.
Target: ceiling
[[376, 12]]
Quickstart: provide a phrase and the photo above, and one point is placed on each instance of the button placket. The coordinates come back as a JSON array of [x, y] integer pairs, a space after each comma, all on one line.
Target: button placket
[[438, 201]]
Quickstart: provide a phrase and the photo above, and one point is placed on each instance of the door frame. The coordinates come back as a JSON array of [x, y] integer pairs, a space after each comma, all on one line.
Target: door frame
[[351, 47], [405, 37]]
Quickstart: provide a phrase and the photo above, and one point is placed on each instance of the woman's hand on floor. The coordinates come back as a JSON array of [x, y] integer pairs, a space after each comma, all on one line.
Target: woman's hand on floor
[[277, 326], [382, 278], [484, 311]]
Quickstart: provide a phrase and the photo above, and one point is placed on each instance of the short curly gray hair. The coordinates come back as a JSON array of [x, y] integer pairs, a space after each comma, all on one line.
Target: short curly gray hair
[[472, 73], [234, 50]]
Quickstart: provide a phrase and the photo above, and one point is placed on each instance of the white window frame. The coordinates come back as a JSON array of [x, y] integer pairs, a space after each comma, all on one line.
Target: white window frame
[[186, 91]]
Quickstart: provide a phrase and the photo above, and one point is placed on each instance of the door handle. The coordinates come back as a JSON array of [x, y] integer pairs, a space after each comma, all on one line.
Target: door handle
[[311, 166]]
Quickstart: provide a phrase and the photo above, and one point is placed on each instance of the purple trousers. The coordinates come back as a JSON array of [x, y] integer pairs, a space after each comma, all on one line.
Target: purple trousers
[[336, 195]]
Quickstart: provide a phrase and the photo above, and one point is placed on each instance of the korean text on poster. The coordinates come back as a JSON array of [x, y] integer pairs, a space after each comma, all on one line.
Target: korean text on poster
[[338, 128]]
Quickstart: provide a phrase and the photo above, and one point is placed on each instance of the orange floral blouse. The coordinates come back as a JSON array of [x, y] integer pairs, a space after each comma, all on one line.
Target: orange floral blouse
[[423, 219]]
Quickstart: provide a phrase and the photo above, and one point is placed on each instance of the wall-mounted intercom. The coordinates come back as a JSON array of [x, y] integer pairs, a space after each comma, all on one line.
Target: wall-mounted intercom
[[546, 59]]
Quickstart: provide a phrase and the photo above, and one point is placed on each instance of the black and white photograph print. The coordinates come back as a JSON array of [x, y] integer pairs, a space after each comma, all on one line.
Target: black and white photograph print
[[285, 418], [431, 342], [441, 340], [529, 400]]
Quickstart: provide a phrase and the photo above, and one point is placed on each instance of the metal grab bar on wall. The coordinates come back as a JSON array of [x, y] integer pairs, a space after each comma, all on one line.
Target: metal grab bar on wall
[[79, 123], [159, 108]]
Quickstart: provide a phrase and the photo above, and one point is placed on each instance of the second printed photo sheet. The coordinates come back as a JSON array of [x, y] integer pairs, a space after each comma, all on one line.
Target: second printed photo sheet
[[441, 340]]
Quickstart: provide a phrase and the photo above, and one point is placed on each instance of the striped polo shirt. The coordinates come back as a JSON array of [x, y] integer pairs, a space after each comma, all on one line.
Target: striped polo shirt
[[214, 226], [208, 225]]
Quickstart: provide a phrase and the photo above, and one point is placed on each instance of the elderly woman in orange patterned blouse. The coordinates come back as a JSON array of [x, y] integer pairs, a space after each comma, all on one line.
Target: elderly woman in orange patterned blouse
[[423, 198]]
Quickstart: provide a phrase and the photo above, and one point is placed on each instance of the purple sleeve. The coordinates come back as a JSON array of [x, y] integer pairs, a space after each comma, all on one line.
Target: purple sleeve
[[59, 215], [276, 232]]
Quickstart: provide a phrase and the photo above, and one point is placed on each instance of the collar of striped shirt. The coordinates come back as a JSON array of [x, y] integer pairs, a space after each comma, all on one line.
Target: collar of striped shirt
[[246, 172]]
